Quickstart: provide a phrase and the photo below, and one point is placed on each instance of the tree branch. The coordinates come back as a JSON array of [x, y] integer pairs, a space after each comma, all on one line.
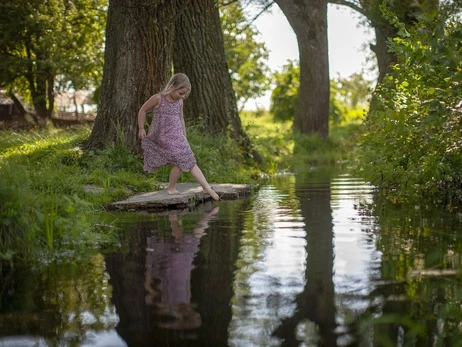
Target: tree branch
[[350, 5], [256, 17]]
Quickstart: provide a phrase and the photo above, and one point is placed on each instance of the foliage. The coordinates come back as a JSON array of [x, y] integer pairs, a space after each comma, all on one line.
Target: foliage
[[411, 144], [285, 94], [47, 42], [348, 96], [246, 57]]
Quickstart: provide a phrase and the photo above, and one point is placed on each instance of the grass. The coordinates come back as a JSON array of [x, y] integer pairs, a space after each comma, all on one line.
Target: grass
[[284, 150], [47, 210]]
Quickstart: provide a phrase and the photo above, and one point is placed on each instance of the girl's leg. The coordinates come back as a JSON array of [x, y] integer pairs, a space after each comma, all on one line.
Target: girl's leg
[[200, 178], [174, 175]]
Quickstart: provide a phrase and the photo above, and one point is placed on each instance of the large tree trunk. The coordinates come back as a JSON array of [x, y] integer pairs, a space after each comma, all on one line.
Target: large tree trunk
[[308, 18], [199, 53], [139, 40]]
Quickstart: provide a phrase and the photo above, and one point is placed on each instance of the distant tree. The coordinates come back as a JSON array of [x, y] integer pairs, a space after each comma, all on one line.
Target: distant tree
[[285, 94], [353, 90], [346, 94], [308, 19], [43, 42], [137, 64], [247, 58]]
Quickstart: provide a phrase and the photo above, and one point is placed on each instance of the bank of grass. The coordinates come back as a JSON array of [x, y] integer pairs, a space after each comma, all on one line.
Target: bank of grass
[[284, 150], [50, 188]]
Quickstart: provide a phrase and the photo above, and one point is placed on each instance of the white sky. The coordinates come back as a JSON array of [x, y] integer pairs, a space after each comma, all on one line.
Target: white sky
[[346, 41]]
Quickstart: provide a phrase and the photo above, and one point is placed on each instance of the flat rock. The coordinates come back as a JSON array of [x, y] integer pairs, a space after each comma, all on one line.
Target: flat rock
[[191, 195]]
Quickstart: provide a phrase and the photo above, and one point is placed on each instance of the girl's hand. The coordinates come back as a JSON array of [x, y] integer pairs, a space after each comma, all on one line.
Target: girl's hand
[[142, 134]]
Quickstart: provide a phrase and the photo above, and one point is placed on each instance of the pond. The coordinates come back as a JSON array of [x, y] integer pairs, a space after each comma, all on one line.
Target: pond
[[309, 259]]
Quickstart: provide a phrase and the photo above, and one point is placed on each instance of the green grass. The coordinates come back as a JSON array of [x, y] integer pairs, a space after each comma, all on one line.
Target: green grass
[[284, 150], [46, 208]]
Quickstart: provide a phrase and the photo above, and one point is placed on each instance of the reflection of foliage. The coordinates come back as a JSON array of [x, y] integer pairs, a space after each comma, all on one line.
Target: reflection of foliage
[[415, 303], [61, 303], [412, 143]]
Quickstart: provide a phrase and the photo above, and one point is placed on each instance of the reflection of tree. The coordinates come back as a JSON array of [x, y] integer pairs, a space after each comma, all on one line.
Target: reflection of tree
[[213, 278], [152, 284], [316, 302]]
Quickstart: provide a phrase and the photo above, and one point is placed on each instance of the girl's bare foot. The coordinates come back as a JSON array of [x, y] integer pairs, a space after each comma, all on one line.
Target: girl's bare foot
[[173, 191], [213, 195]]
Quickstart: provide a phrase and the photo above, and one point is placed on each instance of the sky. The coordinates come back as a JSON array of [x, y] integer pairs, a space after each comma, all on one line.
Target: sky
[[346, 43]]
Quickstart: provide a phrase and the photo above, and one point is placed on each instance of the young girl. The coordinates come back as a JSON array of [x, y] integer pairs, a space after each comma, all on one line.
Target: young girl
[[166, 143]]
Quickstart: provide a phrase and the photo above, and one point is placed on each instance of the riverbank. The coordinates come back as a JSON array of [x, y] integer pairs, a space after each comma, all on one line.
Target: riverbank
[[50, 189]]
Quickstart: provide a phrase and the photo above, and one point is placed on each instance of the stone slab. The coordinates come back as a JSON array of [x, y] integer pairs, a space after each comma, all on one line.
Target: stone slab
[[191, 195]]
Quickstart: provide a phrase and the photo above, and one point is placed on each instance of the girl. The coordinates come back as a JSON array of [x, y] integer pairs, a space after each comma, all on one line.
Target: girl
[[166, 143]]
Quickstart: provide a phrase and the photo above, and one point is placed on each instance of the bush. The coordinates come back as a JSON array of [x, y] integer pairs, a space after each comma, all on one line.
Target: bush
[[411, 145]]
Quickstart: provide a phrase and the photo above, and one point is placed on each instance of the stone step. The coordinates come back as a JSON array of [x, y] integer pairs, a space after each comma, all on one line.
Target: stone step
[[191, 195]]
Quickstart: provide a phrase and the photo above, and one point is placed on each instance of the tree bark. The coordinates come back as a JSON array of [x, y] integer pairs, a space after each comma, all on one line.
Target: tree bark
[[199, 53], [308, 19], [139, 40]]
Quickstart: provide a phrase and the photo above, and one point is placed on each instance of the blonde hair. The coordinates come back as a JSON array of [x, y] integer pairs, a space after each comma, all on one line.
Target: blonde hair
[[178, 81]]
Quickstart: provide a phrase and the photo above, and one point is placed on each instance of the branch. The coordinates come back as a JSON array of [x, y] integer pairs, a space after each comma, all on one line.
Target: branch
[[256, 17], [350, 5]]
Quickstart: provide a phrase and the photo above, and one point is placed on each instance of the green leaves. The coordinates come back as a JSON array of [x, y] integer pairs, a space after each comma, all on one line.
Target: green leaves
[[411, 142], [42, 42], [246, 57]]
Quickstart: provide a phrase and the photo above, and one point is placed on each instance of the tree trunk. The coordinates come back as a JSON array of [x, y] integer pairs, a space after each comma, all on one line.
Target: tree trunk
[[308, 19], [407, 11], [139, 39], [199, 53]]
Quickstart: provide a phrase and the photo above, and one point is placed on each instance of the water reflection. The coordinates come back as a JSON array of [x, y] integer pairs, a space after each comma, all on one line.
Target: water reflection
[[168, 274], [152, 282], [308, 260], [314, 319]]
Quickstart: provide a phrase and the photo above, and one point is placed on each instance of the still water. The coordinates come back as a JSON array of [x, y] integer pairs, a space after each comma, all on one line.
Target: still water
[[308, 260]]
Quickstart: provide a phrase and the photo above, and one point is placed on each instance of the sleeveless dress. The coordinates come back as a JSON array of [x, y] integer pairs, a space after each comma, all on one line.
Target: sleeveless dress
[[165, 143]]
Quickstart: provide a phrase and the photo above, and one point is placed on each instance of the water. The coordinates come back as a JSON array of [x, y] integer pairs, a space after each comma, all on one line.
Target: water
[[308, 260]]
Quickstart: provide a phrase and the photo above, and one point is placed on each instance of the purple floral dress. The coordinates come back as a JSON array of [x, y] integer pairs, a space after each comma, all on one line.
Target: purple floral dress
[[165, 143]]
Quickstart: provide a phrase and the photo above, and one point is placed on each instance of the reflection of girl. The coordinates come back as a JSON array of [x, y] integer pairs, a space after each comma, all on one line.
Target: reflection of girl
[[169, 263]]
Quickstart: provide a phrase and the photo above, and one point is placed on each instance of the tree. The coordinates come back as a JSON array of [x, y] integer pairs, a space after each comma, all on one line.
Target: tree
[[407, 11], [200, 54], [347, 95], [45, 41], [246, 57], [308, 19], [139, 42], [284, 97]]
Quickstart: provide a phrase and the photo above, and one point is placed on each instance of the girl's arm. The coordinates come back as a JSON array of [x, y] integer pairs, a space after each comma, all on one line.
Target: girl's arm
[[182, 118], [152, 102]]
